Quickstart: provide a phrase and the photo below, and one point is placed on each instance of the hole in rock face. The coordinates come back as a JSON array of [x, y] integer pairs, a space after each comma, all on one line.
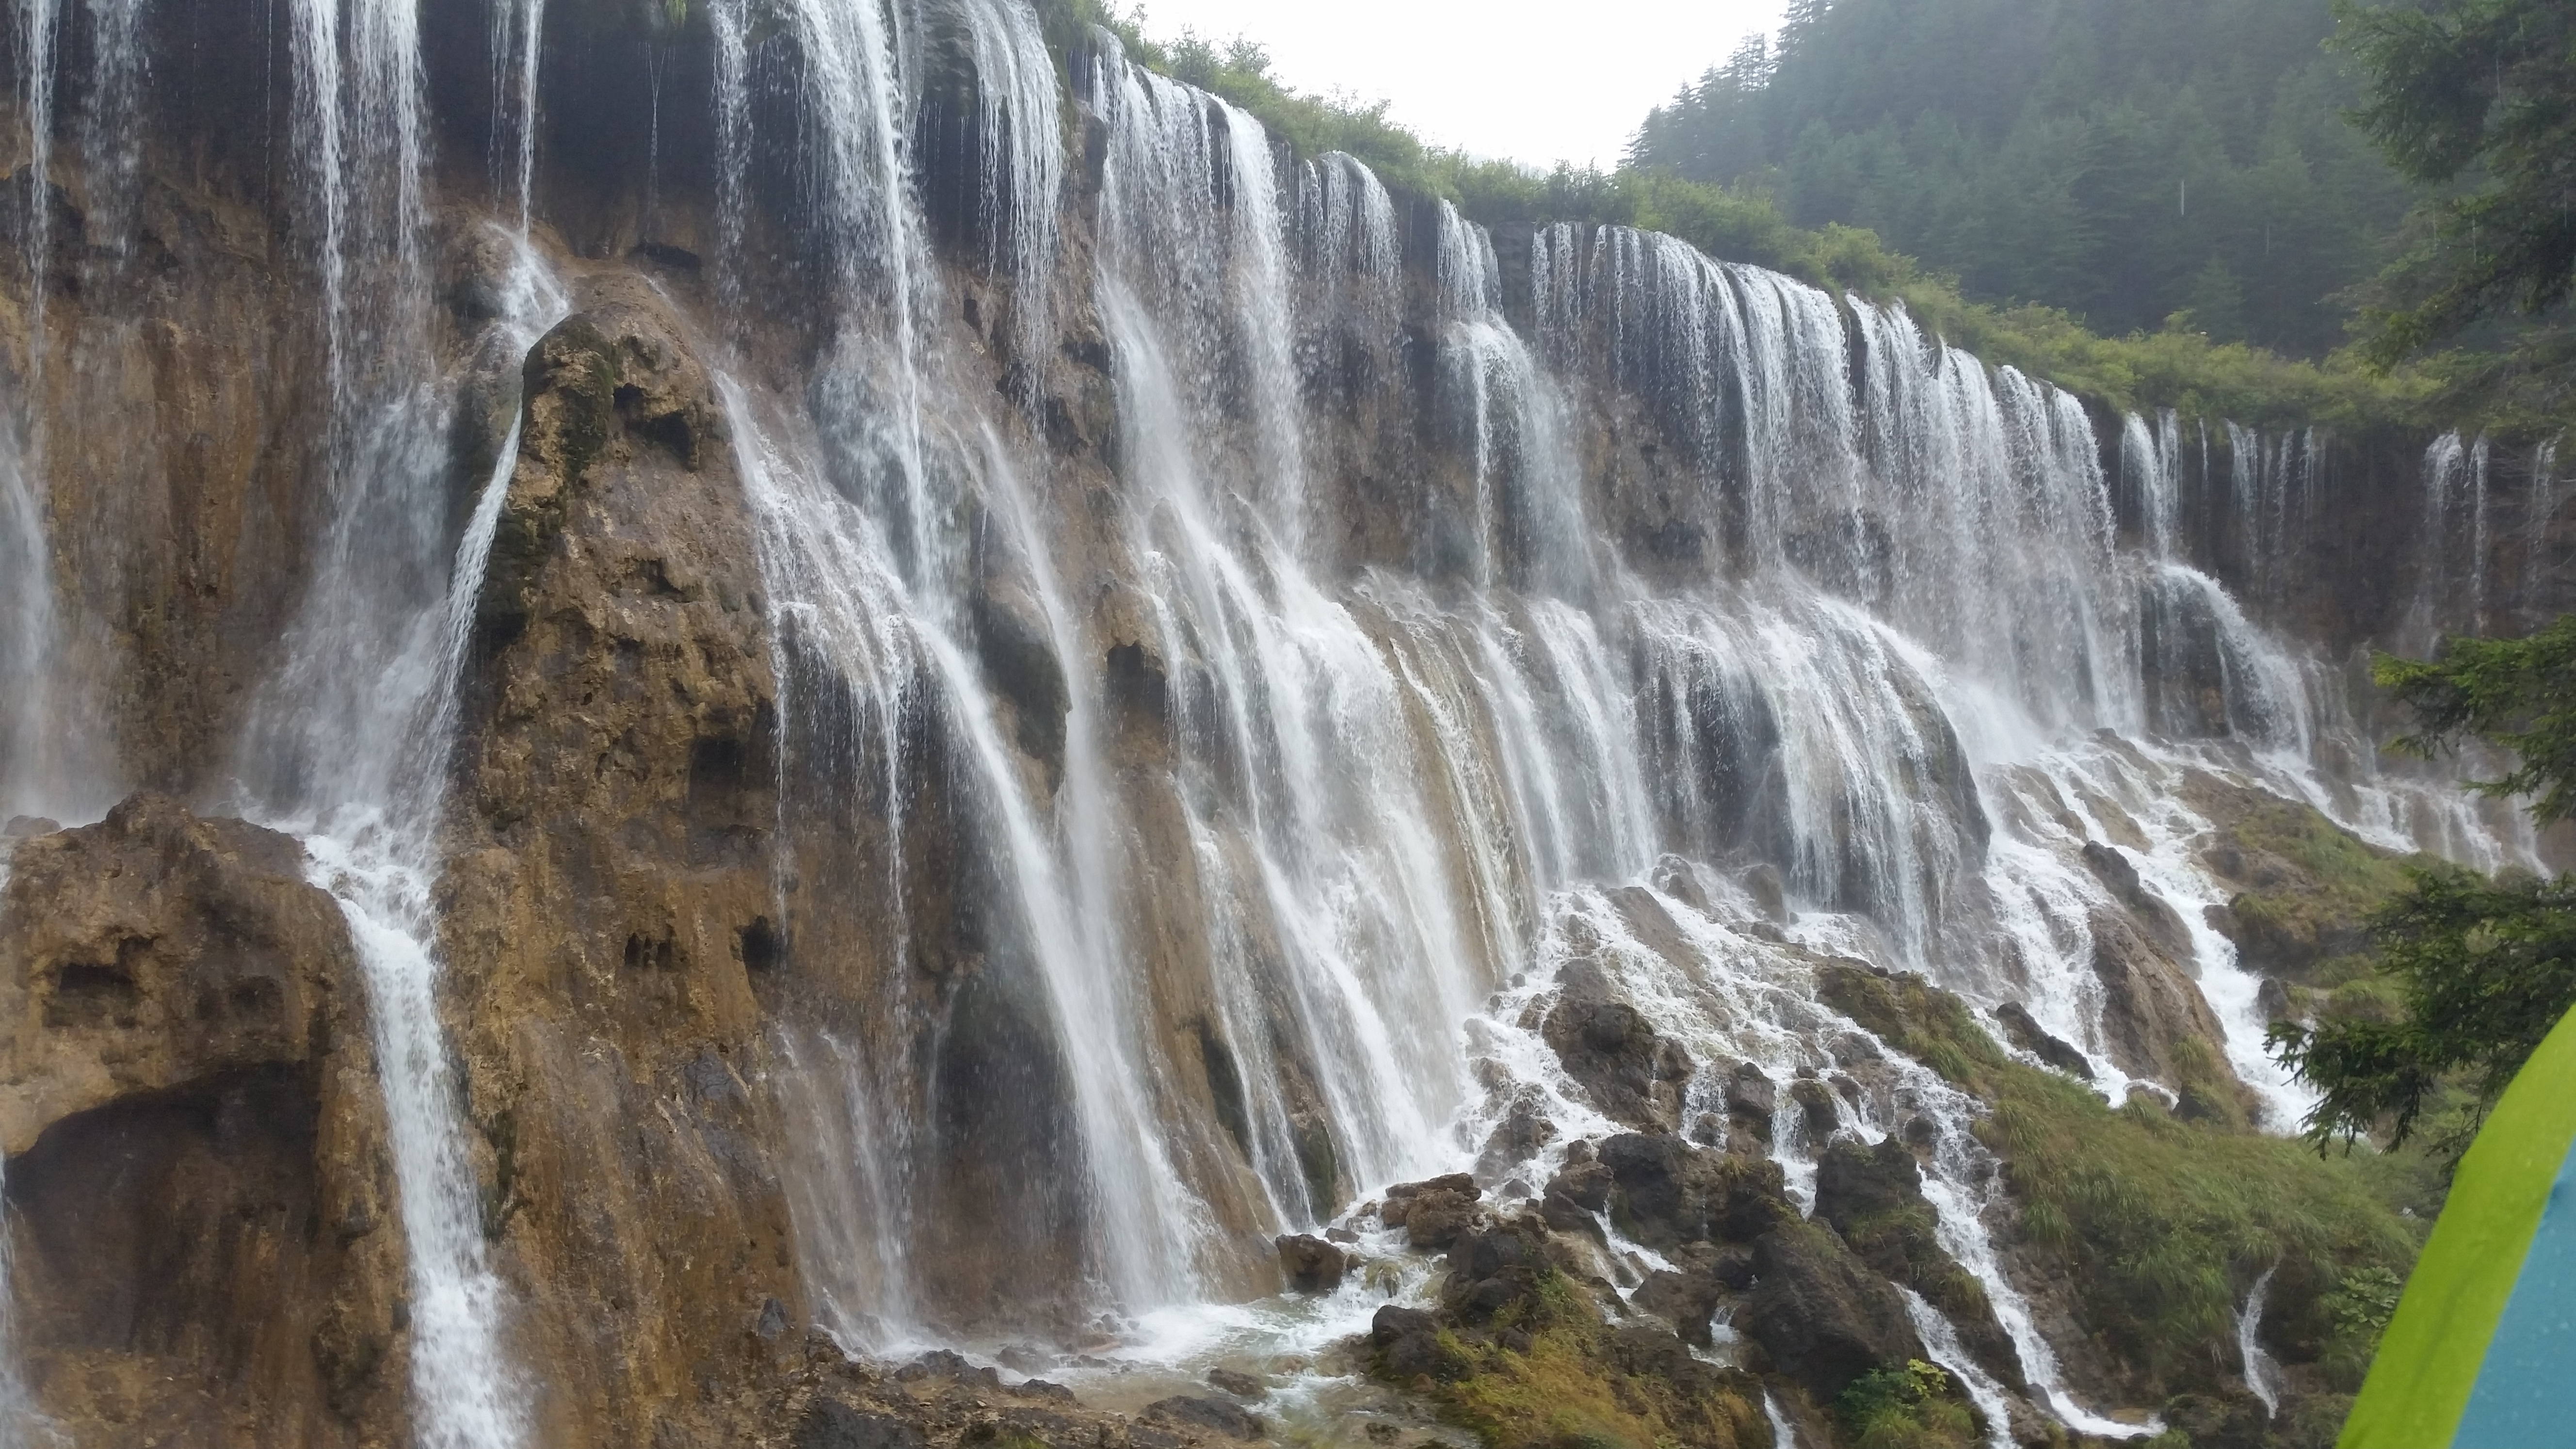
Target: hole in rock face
[[256, 1000], [762, 950], [647, 954], [256, 997], [93, 994]]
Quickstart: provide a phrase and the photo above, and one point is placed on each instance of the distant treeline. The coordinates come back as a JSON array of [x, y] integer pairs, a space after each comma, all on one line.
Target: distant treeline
[[2125, 160]]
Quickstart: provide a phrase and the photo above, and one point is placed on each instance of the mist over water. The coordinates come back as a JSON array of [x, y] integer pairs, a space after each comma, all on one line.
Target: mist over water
[[1702, 630]]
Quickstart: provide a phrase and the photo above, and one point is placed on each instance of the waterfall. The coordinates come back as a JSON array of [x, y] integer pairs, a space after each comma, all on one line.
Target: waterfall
[[1313, 805], [2262, 1373], [1859, 620], [1215, 810], [2450, 587], [39, 31], [31, 732], [347, 743]]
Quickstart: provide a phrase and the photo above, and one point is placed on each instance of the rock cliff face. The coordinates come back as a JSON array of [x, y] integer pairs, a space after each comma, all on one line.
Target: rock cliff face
[[206, 1245], [1007, 700]]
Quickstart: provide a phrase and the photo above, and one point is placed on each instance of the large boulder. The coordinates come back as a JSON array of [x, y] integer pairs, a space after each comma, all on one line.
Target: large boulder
[[190, 1090], [1823, 1317], [2026, 1033], [2151, 1007], [1408, 1347], [1634, 1074], [1665, 1192], [1873, 1197], [1310, 1264], [1493, 1268], [1432, 1213]]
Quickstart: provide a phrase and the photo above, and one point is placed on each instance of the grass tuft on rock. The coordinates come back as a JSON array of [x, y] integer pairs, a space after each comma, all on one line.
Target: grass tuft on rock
[[2161, 1224], [1549, 1373]]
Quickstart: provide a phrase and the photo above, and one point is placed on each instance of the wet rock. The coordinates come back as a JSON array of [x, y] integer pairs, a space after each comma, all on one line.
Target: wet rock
[[1751, 1096], [21, 827], [1665, 1192], [1770, 892], [1311, 1264], [1816, 1108], [1732, 1267], [2026, 1033], [1634, 1075], [1408, 1346], [1873, 1197], [1432, 1213], [1677, 878], [2223, 1418], [1823, 1317], [2150, 1006], [1524, 1130], [1495, 1268], [1230, 1420], [2154, 916], [192, 1088], [612, 909], [2272, 998], [1241, 1385], [1586, 1185], [157, 948], [1686, 1300], [831, 1424], [1042, 1389], [941, 1363]]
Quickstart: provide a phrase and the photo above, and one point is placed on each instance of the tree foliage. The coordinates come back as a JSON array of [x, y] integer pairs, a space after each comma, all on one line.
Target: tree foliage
[[2485, 967], [2477, 97], [2517, 694], [2123, 160]]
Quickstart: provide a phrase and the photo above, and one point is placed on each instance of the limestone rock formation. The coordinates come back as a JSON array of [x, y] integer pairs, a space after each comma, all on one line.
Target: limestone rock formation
[[1873, 1197], [611, 899], [205, 1238]]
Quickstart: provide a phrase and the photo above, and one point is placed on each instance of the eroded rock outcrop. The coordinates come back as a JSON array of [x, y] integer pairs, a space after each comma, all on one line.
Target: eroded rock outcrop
[[611, 898], [205, 1237]]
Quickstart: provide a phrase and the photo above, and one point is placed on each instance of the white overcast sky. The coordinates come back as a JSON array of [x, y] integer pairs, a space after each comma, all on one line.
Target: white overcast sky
[[1536, 82]]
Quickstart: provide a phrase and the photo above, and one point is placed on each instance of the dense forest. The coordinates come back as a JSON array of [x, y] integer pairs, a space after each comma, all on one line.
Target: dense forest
[[2125, 160]]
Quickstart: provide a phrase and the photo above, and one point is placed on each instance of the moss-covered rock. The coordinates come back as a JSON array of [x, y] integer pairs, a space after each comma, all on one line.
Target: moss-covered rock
[[2152, 1223], [1873, 1197], [2305, 886]]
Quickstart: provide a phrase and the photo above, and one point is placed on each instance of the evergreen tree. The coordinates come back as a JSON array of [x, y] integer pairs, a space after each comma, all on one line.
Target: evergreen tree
[[2478, 97], [2487, 967], [2127, 160]]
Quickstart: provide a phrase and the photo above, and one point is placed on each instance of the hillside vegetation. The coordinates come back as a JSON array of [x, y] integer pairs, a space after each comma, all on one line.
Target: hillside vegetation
[[2125, 160]]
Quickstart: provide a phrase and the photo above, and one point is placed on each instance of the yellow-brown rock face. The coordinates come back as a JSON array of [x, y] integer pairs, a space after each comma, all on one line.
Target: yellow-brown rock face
[[201, 1213]]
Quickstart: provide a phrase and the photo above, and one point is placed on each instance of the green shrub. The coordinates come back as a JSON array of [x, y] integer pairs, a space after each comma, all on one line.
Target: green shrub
[[1914, 1407]]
